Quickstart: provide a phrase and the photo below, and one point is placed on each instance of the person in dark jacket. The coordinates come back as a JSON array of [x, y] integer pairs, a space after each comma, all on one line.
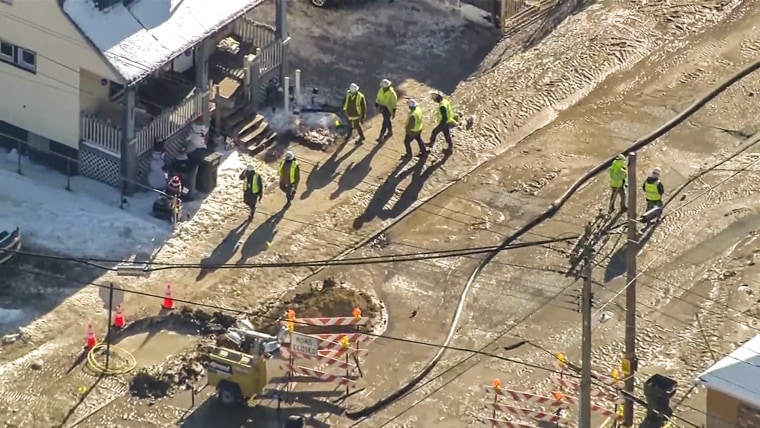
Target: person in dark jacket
[[653, 191], [253, 189], [289, 174], [181, 165], [445, 121], [355, 107]]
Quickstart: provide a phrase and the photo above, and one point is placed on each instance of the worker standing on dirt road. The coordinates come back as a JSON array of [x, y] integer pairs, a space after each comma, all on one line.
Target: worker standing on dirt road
[[355, 107], [618, 174], [386, 101], [414, 130], [253, 189], [654, 190], [290, 175], [445, 121]]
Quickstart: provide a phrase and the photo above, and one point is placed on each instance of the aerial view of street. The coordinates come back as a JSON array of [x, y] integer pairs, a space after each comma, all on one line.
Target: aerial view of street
[[485, 276]]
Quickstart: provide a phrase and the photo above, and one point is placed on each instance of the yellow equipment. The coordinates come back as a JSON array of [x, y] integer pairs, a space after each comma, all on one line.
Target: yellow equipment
[[238, 377]]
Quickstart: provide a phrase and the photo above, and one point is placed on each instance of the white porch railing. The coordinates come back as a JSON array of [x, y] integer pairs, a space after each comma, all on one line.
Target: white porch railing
[[270, 57], [108, 136], [169, 122], [100, 132], [255, 33]]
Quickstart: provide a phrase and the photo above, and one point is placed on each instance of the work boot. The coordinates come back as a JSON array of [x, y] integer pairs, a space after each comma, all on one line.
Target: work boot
[[623, 209]]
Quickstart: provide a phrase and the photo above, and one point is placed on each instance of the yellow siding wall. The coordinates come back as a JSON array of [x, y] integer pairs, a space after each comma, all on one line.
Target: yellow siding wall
[[48, 102], [92, 93]]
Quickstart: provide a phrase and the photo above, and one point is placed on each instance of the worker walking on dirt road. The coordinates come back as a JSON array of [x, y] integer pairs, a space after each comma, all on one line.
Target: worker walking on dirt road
[[290, 175], [253, 189], [654, 190], [618, 174], [446, 119], [355, 107], [414, 130], [385, 102]]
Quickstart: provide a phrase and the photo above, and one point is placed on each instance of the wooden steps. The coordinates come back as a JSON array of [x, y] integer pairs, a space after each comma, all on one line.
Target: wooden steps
[[250, 130]]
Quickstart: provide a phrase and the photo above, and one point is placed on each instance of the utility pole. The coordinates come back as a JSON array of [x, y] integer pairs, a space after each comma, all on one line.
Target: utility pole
[[630, 361], [585, 410]]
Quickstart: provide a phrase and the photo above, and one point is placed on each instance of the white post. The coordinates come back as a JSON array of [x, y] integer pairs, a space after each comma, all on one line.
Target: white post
[[298, 91], [248, 63], [286, 93]]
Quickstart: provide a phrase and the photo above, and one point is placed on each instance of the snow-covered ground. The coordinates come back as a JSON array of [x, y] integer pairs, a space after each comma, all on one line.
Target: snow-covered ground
[[87, 221]]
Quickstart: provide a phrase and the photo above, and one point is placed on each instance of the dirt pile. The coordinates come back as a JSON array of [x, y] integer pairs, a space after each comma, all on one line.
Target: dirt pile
[[163, 380], [328, 298]]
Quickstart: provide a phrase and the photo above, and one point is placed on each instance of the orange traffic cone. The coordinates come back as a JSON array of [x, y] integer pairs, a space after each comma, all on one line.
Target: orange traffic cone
[[168, 300], [91, 340], [118, 319]]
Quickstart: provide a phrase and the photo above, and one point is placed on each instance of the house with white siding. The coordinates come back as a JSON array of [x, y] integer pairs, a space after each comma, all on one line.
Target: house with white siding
[[92, 84]]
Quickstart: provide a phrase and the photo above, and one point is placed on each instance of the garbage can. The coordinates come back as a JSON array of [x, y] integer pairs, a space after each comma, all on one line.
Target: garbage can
[[207, 172], [294, 421]]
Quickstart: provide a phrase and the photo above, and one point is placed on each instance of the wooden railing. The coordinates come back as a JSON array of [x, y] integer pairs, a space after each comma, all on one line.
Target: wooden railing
[[255, 33], [108, 136], [270, 57]]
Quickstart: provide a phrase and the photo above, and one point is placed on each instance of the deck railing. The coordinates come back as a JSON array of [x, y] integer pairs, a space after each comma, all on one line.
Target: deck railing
[[106, 135], [257, 34]]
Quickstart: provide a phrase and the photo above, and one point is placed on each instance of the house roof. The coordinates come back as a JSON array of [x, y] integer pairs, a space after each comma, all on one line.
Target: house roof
[[139, 39], [737, 375]]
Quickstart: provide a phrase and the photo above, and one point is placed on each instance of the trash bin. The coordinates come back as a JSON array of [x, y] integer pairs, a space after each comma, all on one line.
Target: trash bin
[[207, 172], [294, 421]]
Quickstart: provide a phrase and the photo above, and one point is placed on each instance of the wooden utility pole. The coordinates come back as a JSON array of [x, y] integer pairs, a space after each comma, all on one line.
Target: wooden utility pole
[[630, 362], [585, 410]]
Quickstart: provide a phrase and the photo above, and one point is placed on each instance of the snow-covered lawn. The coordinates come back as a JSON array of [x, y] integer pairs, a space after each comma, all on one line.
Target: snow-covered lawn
[[88, 221]]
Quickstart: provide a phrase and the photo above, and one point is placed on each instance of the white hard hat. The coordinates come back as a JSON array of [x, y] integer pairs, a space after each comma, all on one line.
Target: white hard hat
[[353, 88], [385, 83], [656, 172], [412, 103], [620, 157], [249, 168], [289, 155]]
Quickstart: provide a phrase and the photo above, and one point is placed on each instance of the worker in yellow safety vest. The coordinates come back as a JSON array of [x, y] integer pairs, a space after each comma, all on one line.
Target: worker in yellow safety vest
[[618, 174], [414, 131], [385, 102], [445, 120], [290, 175], [355, 107], [253, 189], [653, 190]]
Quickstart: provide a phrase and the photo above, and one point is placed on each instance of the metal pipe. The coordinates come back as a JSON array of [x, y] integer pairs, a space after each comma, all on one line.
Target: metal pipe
[[297, 97], [286, 93]]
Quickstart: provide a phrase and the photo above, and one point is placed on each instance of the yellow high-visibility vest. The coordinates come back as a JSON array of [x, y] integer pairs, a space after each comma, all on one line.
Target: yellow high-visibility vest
[[293, 168], [253, 184], [417, 115], [618, 172], [446, 104], [387, 98], [358, 99], [652, 192]]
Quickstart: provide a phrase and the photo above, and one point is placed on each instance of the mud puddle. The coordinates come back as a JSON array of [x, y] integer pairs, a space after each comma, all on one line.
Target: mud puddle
[[152, 348]]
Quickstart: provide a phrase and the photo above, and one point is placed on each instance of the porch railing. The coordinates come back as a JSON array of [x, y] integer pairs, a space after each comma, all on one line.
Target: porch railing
[[255, 33], [106, 135], [269, 57], [101, 132], [169, 122]]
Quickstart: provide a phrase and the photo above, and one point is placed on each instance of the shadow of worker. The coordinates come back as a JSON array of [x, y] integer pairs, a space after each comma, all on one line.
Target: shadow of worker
[[618, 264], [386, 190], [223, 252], [325, 173], [411, 193], [260, 239], [356, 173]]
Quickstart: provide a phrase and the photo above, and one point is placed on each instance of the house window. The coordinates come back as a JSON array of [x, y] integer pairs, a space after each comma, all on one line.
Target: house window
[[18, 56]]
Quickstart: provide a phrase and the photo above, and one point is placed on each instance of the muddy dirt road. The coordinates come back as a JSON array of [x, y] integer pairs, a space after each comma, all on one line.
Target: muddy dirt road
[[527, 82]]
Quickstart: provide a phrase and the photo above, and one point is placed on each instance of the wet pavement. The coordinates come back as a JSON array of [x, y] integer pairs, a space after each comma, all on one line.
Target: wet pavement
[[518, 296]]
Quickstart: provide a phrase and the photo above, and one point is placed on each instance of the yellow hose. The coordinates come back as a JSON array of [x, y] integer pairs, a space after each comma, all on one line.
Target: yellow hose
[[114, 367]]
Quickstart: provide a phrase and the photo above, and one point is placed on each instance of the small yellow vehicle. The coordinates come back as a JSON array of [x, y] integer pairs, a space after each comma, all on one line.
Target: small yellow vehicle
[[237, 376]]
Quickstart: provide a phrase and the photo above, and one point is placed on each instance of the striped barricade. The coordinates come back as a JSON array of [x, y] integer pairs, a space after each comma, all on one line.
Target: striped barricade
[[498, 423], [527, 397], [333, 321], [296, 371], [595, 393], [525, 413], [594, 407], [337, 353], [329, 339], [321, 359]]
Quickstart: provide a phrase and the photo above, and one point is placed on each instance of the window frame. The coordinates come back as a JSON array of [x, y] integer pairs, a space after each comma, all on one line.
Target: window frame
[[5, 57], [21, 62]]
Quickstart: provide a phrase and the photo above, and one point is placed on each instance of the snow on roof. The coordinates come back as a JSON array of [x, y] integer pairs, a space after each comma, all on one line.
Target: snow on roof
[[141, 38], [737, 375]]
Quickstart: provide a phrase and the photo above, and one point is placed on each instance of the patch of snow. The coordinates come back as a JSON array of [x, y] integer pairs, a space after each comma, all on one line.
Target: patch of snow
[[140, 38], [83, 222]]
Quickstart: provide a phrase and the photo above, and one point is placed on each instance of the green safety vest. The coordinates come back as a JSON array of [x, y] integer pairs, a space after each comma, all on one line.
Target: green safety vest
[[387, 98], [652, 192], [617, 174], [293, 167], [358, 98], [416, 114], [253, 185], [449, 112]]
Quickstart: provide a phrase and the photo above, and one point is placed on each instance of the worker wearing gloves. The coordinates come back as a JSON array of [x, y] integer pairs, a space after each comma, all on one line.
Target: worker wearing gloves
[[654, 191], [414, 130], [618, 174], [445, 121], [253, 189], [355, 107], [290, 175], [385, 102]]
